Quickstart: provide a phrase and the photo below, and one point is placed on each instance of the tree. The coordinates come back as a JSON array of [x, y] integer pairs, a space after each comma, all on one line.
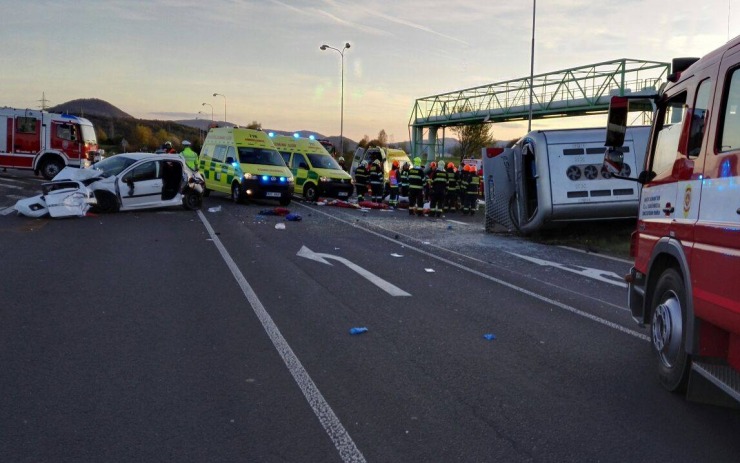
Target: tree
[[472, 138], [365, 142], [255, 125]]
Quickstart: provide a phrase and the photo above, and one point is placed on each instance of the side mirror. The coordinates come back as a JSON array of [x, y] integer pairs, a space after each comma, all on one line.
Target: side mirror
[[229, 160], [616, 125], [303, 165]]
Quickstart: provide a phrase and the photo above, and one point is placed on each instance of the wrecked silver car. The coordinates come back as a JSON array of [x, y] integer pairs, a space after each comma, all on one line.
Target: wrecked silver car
[[123, 182]]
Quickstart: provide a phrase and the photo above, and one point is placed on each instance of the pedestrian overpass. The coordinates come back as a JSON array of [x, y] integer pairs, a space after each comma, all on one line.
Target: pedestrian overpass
[[580, 91]]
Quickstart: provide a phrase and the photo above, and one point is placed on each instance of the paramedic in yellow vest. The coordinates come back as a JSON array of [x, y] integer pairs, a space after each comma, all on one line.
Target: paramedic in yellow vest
[[190, 156]]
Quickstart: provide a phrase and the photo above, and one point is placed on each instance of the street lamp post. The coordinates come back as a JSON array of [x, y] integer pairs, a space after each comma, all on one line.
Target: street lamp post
[[209, 104], [219, 94], [341, 114]]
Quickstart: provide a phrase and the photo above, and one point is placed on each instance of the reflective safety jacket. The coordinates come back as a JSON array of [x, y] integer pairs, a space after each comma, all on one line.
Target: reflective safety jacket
[[376, 174], [439, 181], [361, 175], [416, 178], [473, 184], [190, 156]]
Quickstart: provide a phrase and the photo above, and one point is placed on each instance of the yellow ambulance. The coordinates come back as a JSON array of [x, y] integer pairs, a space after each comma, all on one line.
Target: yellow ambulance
[[244, 164], [317, 173]]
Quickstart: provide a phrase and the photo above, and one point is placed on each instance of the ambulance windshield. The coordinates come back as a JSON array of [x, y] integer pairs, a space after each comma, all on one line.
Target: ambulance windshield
[[322, 161], [260, 156]]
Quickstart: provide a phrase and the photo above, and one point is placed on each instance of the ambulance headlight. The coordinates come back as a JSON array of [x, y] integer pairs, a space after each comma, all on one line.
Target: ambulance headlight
[[248, 176], [324, 179], [290, 180]]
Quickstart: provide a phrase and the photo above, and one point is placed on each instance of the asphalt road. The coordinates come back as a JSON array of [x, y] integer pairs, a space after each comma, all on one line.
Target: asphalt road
[[215, 336]]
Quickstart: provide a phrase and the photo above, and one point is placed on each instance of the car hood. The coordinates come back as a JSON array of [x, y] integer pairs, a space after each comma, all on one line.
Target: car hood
[[74, 173]]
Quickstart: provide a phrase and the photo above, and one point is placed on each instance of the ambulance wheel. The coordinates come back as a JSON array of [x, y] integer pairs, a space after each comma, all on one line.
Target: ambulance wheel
[[237, 196], [310, 192], [51, 167], [667, 331]]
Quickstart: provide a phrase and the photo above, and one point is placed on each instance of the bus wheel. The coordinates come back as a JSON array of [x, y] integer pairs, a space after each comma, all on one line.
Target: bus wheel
[[668, 331]]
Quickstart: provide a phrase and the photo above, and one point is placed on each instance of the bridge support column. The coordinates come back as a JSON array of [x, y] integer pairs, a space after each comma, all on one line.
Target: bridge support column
[[431, 146], [417, 142]]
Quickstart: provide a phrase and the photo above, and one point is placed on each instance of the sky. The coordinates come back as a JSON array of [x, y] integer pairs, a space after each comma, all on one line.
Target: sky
[[162, 59]]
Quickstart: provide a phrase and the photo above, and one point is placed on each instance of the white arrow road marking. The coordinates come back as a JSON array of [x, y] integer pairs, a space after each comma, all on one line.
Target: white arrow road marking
[[596, 274], [374, 279]]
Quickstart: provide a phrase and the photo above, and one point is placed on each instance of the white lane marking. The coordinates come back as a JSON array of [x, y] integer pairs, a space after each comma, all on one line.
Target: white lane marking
[[15, 196], [467, 257], [558, 304], [457, 221], [372, 278], [603, 256], [600, 275], [14, 187], [7, 210], [348, 451]]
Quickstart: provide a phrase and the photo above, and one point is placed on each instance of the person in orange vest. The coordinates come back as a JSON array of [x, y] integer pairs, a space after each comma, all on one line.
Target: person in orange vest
[[394, 182]]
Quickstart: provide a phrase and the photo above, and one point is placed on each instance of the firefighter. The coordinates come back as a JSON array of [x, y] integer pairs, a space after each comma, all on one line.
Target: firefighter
[[166, 148], [472, 193], [404, 191], [464, 182], [416, 188], [393, 183], [438, 184], [190, 156], [340, 161], [376, 181], [452, 188], [361, 174]]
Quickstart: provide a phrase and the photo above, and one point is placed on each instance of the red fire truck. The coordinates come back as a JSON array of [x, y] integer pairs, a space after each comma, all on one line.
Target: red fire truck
[[45, 142], [685, 282]]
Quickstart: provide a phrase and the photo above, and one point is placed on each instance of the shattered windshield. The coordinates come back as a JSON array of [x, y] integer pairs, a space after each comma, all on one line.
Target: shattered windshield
[[113, 165]]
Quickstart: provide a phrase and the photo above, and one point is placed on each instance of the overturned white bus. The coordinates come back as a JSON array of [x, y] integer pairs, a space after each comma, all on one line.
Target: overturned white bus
[[555, 176]]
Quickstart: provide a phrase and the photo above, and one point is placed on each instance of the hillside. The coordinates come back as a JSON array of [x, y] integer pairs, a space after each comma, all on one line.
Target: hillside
[[85, 107]]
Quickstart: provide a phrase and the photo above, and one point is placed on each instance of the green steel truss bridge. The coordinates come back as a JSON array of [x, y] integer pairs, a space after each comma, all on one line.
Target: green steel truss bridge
[[579, 91]]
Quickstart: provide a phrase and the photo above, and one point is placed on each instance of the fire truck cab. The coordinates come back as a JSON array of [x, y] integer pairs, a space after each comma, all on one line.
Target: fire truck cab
[[45, 142], [685, 282]]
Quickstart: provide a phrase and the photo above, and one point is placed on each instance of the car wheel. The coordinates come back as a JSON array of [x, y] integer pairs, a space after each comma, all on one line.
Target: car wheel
[[50, 168], [106, 202], [236, 193], [192, 200], [668, 330], [310, 192], [285, 201]]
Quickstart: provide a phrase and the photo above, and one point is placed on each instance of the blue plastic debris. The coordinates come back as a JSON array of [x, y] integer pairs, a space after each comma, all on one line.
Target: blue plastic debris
[[358, 330], [293, 217], [489, 336]]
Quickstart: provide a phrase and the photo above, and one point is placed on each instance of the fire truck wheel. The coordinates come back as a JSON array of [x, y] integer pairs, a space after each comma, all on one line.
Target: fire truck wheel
[[51, 167], [668, 330]]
